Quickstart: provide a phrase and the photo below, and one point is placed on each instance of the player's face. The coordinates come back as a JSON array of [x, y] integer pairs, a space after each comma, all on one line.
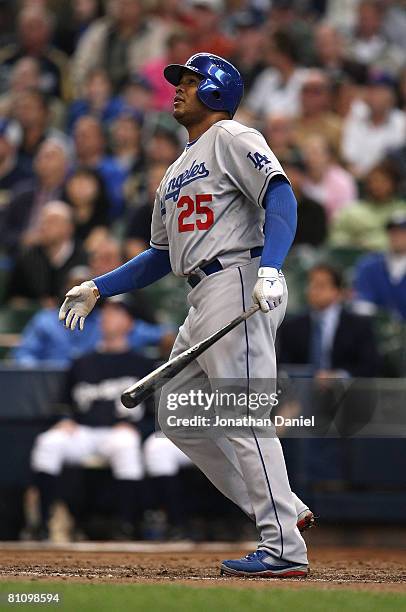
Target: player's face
[[187, 108]]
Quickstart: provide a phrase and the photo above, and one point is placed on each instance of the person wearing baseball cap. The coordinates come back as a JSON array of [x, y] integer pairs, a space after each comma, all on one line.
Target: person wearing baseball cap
[[380, 278]]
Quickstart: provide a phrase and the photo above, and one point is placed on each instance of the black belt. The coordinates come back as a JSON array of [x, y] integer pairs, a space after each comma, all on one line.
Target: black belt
[[215, 266]]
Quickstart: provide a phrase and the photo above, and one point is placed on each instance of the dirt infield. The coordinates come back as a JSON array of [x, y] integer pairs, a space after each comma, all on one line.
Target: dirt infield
[[350, 568]]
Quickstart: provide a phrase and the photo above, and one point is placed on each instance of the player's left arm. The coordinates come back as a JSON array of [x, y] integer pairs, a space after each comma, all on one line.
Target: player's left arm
[[280, 228], [254, 169]]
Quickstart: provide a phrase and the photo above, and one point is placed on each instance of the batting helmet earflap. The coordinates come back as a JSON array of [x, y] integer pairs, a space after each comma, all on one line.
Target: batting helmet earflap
[[221, 88]]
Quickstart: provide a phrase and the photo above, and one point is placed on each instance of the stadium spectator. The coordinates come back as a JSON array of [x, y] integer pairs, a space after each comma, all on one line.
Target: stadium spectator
[[97, 99], [311, 216], [74, 22], [138, 232], [121, 43], [45, 342], [178, 49], [394, 26], [316, 116], [40, 270], [98, 424], [32, 112], [206, 28], [25, 76], [12, 174], [104, 256], [277, 88], [125, 143], [326, 182], [84, 191], [21, 216], [368, 44], [248, 53], [295, 19], [327, 337], [163, 147], [278, 132], [373, 127], [362, 224], [331, 56], [35, 31], [380, 278], [137, 93], [90, 152]]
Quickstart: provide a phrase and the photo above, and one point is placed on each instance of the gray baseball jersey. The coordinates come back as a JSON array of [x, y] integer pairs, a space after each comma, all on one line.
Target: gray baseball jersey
[[208, 204]]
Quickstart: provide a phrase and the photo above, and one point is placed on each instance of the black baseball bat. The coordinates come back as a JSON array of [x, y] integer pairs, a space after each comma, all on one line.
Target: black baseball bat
[[138, 392]]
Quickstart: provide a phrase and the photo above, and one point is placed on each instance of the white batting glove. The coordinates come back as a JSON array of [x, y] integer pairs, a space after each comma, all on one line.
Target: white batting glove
[[79, 301], [268, 290]]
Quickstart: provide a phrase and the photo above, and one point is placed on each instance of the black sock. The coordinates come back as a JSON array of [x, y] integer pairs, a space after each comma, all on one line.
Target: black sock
[[47, 486], [129, 501]]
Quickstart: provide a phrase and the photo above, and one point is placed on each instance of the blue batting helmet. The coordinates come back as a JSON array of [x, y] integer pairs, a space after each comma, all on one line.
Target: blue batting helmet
[[221, 88]]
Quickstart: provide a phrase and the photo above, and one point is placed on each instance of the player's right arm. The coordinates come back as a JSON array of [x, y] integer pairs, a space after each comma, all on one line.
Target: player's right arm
[[143, 270]]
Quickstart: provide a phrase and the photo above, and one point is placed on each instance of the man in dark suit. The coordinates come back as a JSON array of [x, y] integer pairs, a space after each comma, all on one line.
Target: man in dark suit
[[331, 340], [340, 351], [41, 269]]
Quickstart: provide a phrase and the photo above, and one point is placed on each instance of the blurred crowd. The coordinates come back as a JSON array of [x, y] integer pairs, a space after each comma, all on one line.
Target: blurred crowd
[[86, 131], [86, 135]]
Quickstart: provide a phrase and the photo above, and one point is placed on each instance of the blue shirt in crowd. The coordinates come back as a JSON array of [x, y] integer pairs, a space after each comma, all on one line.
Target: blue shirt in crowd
[[373, 283], [46, 341]]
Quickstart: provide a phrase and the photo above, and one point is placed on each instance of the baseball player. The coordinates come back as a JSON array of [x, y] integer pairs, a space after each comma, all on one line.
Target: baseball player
[[224, 218]]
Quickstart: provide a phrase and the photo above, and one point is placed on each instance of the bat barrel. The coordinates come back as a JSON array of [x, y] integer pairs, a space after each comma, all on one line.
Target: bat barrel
[[131, 400]]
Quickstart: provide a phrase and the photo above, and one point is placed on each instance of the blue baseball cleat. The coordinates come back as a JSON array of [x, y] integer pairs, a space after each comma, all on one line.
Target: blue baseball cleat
[[260, 563]]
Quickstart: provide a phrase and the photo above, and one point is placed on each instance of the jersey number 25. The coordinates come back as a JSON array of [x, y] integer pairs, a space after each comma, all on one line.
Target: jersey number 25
[[190, 206]]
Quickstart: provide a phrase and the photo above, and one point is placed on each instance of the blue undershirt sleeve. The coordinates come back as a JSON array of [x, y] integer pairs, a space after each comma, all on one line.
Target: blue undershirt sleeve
[[280, 222], [143, 270]]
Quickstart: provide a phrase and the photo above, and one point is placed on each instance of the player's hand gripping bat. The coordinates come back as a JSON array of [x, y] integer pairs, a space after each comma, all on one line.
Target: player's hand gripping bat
[[138, 392]]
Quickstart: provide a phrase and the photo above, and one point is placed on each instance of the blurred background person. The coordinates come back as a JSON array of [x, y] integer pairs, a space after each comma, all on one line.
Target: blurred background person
[[35, 29], [278, 130], [362, 224], [331, 340], [40, 269], [206, 28], [248, 54], [312, 221], [380, 278], [373, 126], [91, 152], [99, 424], [21, 215], [178, 49], [332, 58], [32, 112], [277, 88], [369, 44], [325, 181], [74, 21], [316, 115], [96, 99], [13, 175], [121, 43], [84, 191], [138, 227], [26, 76]]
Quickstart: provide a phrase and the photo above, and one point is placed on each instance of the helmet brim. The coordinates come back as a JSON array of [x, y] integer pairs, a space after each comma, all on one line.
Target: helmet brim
[[173, 72]]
